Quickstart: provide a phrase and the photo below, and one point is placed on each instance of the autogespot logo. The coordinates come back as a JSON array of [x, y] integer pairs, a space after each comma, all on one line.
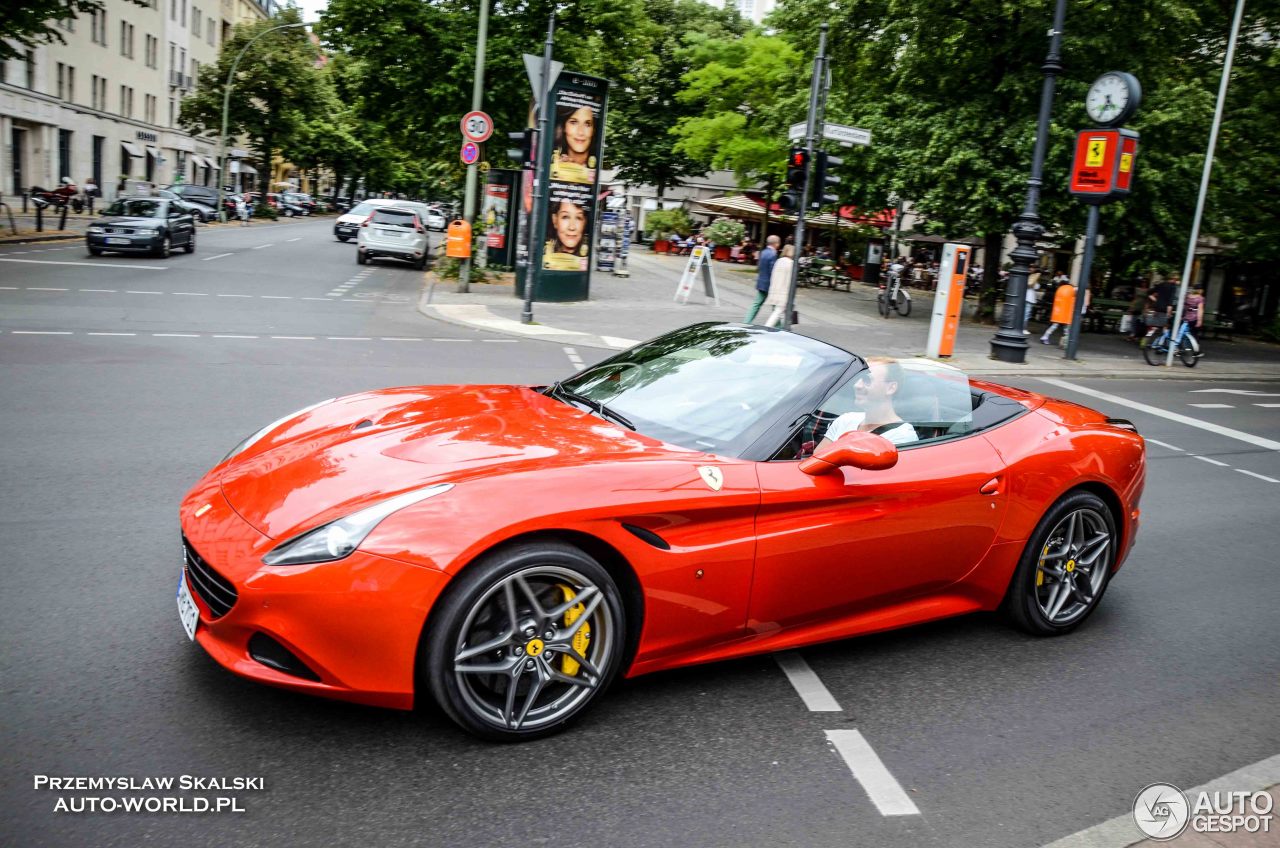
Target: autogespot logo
[[1161, 811]]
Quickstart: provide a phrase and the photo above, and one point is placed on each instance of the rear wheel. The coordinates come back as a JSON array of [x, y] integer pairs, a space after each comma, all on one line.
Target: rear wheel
[[1188, 354], [421, 264], [903, 305], [882, 304], [524, 640], [361, 259], [1065, 567], [1154, 351]]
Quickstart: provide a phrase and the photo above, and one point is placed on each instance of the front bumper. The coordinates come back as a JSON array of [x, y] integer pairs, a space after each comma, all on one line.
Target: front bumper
[[345, 230], [354, 624], [139, 243]]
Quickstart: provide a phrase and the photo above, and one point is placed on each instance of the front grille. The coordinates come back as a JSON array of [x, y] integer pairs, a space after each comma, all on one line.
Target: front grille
[[126, 231], [214, 589]]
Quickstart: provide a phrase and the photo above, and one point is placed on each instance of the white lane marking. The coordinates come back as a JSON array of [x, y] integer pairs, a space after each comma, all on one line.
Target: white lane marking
[[101, 291], [229, 336], [193, 294], [1246, 392], [321, 299], [98, 265], [1121, 831], [235, 295], [1259, 476], [296, 338], [349, 338], [574, 359], [259, 247], [9, 288], [881, 786], [111, 334], [276, 297], [219, 256], [129, 291], [1268, 405], [1249, 438], [1165, 445], [41, 288], [176, 335], [448, 340], [299, 238], [501, 341], [615, 341], [397, 339], [1212, 405], [41, 332], [1210, 461], [808, 686]]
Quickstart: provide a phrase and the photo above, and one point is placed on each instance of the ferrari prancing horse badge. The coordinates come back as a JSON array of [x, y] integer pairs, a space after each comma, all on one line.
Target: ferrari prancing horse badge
[[712, 476]]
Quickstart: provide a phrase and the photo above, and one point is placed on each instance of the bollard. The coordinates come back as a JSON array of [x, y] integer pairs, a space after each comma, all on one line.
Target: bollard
[[39, 218], [62, 219], [24, 203]]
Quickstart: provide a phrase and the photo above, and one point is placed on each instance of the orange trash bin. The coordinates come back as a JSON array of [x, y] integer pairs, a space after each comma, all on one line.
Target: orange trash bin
[[458, 242]]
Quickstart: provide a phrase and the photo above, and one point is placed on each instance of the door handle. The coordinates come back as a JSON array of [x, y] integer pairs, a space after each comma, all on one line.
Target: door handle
[[991, 487]]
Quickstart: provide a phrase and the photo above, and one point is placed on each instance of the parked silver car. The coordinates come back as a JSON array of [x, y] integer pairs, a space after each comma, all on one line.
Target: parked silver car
[[393, 232]]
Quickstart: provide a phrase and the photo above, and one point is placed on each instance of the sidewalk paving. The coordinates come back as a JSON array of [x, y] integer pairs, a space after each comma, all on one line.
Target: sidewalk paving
[[624, 310]]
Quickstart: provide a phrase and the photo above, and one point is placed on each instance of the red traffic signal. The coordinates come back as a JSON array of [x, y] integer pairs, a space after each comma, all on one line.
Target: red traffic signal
[[797, 167]]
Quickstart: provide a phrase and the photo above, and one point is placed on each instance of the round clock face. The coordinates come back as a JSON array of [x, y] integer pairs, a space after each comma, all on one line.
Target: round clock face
[[1112, 98]]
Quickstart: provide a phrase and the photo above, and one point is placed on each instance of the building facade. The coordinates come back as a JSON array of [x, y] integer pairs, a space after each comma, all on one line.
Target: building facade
[[105, 104]]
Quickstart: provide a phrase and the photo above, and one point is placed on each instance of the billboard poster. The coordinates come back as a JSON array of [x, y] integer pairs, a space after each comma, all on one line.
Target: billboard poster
[[607, 250], [497, 203]]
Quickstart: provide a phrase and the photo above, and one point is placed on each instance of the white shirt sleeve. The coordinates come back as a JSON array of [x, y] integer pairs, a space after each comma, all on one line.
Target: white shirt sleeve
[[903, 434]]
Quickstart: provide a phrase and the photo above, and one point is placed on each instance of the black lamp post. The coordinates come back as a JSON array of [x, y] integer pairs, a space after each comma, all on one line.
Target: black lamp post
[[1009, 344]]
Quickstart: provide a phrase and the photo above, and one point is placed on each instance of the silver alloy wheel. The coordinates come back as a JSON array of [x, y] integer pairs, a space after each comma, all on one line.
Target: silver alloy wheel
[[1073, 566], [527, 656]]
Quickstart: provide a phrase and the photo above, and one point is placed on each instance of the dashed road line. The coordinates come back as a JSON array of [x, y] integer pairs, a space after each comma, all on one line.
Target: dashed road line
[[176, 335], [101, 291], [235, 295], [1256, 441], [130, 291], [193, 294], [231, 336], [111, 334], [808, 686], [219, 256], [869, 770], [349, 338], [1165, 445], [296, 338], [1212, 405], [1268, 405], [98, 265], [42, 288], [42, 332], [276, 297], [1259, 476], [299, 238], [399, 339], [1210, 460], [259, 247], [574, 359]]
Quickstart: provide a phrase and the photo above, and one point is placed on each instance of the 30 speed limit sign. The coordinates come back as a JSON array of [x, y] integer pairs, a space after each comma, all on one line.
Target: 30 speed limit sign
[[477, 127]]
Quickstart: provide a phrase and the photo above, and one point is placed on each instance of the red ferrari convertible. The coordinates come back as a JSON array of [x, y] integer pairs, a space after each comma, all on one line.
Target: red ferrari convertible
[[719, 491]]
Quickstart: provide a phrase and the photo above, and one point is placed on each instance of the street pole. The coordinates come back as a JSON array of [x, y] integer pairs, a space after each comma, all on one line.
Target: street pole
[[537, 222], [1082, 284], [817, 94], [1009, 344], [477, 100], [226, 106], [1204, 180]]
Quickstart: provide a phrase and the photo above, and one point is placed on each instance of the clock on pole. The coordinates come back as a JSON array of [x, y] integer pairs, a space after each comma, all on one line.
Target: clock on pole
[[1113, 98]]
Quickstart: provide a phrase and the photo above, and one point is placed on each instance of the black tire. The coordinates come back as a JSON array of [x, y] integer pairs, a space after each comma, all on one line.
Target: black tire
[[1188, 354], [343, 238], [421, 264], [361, 259], [904, 305], [1153, 352], [190, 246], [1022, 603], [95, 251], [882, 304], [165, 248], [477, 600]]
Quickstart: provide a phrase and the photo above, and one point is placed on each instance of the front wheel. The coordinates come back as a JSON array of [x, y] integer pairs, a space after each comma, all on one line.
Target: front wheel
[[95, 251], [523, 641], [1188, 353], [882, 304], [1065, 567], [190, 246], [1154, 351], [165, 248], [904, 305]]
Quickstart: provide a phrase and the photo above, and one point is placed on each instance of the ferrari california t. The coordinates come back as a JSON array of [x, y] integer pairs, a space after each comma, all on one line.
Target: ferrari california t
[[722, 490]]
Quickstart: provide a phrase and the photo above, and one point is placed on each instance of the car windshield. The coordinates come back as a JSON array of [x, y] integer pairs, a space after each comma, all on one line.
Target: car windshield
[[711, 387], [393, 217], [363, 208], [137, 208]]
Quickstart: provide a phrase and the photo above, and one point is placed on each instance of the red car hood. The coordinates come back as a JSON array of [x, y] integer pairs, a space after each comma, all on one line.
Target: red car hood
[[329, 462]]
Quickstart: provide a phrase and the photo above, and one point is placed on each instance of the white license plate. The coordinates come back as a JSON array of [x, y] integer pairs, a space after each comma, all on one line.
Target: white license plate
[[118, 241], [392, 234], [187, 609]]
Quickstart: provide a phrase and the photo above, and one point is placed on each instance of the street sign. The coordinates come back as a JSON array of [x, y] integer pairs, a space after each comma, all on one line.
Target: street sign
[[1102, 170], [533, 68], [846, 136], [470, 153], [477, 127]]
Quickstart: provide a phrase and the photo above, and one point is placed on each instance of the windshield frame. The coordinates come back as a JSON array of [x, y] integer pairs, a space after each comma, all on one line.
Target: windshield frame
[[753, 441]]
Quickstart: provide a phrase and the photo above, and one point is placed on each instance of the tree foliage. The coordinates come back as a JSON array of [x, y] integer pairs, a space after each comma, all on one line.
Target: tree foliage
[[26, 24]]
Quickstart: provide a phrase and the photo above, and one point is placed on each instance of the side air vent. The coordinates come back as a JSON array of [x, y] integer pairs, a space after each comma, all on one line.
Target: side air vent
[[1123, 424], [648, 536], [272, 654], [362, 424]]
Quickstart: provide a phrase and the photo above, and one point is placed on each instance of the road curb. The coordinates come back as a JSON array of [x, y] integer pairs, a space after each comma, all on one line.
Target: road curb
[[40, 238]]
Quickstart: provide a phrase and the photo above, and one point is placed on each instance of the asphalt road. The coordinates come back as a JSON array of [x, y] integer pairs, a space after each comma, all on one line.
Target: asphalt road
[[125, 378]]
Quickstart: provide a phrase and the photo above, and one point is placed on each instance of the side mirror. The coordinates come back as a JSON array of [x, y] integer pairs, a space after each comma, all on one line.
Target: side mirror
[[856, 449]]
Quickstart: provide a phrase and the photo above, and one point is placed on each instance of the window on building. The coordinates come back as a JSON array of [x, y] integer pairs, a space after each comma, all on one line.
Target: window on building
[[71, 84], [126, 39], [98, 21], [64, 154], [210, 32], [99, 143], [196, 20], [31, 70], [152, 48], [94, 101], [62, 81], [124, 101], [195, 73], [151, 108], [182, 5], [173, 110], [173, 10]]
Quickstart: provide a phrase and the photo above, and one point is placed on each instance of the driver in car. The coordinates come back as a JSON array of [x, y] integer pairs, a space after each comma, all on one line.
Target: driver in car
[[873, 411]]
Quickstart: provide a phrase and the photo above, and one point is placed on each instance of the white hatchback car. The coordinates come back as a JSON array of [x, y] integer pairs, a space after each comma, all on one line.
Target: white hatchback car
[[344, 229], [394, 232]]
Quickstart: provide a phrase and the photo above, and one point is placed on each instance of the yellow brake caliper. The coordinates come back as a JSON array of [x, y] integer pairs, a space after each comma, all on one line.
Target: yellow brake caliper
[[580, 639], [1040, 567]]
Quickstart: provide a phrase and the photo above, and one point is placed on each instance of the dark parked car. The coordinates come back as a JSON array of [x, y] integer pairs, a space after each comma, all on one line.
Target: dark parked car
[[152, 225], [200, 211], [301, 199]]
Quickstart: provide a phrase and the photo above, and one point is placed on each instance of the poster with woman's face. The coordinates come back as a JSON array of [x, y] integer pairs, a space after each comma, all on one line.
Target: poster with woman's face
[[568, 228], [575, 152]]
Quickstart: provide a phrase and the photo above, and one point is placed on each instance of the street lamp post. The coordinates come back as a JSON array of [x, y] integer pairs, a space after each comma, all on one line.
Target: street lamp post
[[1009, 344], [226, 106]]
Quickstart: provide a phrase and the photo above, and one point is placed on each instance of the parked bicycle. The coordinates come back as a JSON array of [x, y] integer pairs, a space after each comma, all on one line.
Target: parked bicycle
[[893, 297], [1156, 349]]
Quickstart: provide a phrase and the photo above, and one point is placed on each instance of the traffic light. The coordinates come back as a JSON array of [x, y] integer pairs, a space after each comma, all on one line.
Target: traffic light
[[526, 149], [822, 177], [797, 171]]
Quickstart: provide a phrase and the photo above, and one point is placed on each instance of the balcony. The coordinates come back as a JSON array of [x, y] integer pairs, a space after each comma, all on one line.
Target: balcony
[[180, 80]]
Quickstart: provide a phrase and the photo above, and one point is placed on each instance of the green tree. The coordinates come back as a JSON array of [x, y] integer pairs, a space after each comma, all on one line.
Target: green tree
[[277, 87], [27, 24], [645, 106]]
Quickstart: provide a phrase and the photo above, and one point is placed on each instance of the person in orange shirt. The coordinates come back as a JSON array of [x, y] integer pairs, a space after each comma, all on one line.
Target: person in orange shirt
[[1064, 303]]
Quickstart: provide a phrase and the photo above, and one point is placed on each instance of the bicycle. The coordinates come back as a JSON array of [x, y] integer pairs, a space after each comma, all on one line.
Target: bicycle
[[894, 297], [1156, 350]]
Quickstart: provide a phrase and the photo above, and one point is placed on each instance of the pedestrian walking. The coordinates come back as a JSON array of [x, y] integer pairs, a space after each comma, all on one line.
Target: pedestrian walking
[[1064, 303], [91, 191], [1033, 297], [242, 210], [780, 286], [768, 257]]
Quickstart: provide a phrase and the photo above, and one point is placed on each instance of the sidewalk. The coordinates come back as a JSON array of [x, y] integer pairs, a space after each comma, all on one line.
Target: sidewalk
[[622, 311]]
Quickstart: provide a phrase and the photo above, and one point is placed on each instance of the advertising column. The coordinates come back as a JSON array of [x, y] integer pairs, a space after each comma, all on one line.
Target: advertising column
[[497, 215], [573, 188]]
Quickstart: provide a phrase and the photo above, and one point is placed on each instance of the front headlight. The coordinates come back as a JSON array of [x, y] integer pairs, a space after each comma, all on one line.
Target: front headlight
[[337, 539], [254, 437], [94, 228]]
